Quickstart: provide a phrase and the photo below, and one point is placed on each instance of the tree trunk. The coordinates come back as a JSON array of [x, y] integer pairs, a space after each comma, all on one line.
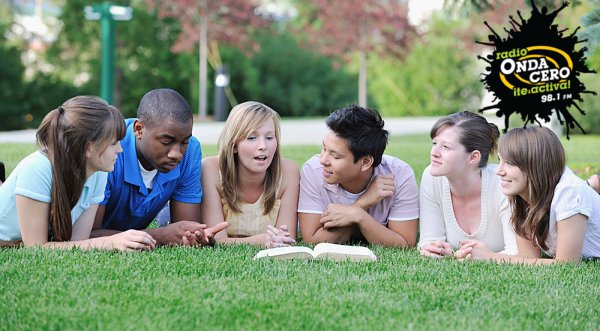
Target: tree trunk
[[362, 64], [362, 79], [203, 73]]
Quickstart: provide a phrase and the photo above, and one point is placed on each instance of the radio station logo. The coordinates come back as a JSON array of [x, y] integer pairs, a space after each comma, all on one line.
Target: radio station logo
[[535, 69]]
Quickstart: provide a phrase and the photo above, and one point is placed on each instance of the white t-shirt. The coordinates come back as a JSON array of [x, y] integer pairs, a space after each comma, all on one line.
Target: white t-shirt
[[573, 196], [438, 222], [148, 176]]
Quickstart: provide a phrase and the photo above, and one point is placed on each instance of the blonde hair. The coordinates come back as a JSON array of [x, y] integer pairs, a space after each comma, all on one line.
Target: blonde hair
[[538, 153], [244, 119]]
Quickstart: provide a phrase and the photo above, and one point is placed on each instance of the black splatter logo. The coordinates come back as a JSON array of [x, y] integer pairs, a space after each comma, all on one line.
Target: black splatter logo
[[535, 70]]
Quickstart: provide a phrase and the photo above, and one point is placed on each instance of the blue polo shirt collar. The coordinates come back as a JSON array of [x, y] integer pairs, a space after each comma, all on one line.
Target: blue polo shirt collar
[[132, 167]]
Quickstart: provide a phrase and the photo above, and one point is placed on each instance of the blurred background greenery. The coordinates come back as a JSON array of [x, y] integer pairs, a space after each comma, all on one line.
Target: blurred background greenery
[[302, 58]]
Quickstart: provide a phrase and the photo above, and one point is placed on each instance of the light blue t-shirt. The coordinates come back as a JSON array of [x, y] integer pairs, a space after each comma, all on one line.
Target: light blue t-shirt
[[32, 178]]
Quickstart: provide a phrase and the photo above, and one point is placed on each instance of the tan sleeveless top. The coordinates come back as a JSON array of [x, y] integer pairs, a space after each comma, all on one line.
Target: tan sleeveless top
[[250, 220]]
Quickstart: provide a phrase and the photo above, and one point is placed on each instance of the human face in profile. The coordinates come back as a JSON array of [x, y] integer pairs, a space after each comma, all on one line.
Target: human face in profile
[[448, 156], [512, 179], [161, 145], [338, 163], [102, 158], [255, 152]]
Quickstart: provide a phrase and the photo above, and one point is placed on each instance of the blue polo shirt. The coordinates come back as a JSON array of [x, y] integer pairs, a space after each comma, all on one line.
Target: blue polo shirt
[[128, 203]]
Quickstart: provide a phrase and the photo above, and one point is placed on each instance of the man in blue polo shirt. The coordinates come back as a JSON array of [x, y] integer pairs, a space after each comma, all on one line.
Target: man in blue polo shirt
[[160, 163]]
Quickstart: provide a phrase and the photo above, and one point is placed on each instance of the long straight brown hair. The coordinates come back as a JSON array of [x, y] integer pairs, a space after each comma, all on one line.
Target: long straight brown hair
[[64, 136], [244, 119], [538, 153]]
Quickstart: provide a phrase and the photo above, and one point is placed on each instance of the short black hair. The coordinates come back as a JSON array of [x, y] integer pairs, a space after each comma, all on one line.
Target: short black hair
[[363, 129], [163, 104]]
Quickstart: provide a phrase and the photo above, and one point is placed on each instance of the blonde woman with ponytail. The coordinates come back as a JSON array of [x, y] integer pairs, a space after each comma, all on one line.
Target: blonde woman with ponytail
[[51, 197]]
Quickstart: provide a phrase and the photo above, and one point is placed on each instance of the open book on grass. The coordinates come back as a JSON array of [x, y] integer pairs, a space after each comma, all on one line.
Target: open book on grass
[[321, 251]]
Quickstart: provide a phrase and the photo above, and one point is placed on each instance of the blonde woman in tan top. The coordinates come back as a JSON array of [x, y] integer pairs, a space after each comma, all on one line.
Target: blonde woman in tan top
[[248, 184]]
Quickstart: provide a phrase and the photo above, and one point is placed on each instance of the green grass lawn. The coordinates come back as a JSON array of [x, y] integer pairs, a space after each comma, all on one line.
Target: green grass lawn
[[222, 288]]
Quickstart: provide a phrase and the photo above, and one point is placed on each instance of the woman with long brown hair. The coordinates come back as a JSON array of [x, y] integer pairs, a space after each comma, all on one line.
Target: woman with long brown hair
[[553, 210], [51, 197]]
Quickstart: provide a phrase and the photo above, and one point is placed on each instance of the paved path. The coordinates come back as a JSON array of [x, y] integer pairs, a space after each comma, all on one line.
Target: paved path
[[293, 131]]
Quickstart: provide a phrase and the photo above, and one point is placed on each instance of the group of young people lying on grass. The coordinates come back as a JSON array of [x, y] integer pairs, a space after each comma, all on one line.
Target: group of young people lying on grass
[[98, 181]]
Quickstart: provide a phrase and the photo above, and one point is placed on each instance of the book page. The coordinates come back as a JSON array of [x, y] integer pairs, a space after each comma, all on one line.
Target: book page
[[292, 252], [341, 252]]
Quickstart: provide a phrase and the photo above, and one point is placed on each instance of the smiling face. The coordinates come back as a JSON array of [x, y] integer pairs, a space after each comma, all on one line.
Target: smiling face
[[102, 160], [255, 152], [339, 166], [161, 146], [448, 155], [513, 180]]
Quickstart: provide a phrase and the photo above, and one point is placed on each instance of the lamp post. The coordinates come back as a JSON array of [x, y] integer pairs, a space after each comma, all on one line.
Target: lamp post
[[107, 14], [221, 83]]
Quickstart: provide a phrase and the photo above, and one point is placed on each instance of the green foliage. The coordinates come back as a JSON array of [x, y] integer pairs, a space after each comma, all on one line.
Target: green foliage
[[78, 44], [438, 77], [23, 104], [46, 92], [145, 62], [591, 25], [297, 82], [591, 103], [243, 75], [300, 83], [12, 91]]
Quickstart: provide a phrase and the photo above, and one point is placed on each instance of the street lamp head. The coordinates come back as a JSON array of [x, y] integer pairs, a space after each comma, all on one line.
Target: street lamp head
[[121, 13], [117, 13], [222, 80]]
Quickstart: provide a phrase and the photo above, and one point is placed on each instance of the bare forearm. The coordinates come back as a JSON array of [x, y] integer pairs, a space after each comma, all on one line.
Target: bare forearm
[[378, 234], [363, 204], [333, 235], [96, 233], [159, 234], [93, 243]]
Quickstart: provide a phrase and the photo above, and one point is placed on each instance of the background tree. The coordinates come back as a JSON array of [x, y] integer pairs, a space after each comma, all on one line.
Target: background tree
[[297, 82], [12, 91], [143, 56], [226, 21], [591, 25], [345, 28], [439, 76]]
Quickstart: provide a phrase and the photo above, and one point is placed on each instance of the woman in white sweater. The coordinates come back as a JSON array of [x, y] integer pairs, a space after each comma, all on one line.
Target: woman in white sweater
[[460, 196]]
